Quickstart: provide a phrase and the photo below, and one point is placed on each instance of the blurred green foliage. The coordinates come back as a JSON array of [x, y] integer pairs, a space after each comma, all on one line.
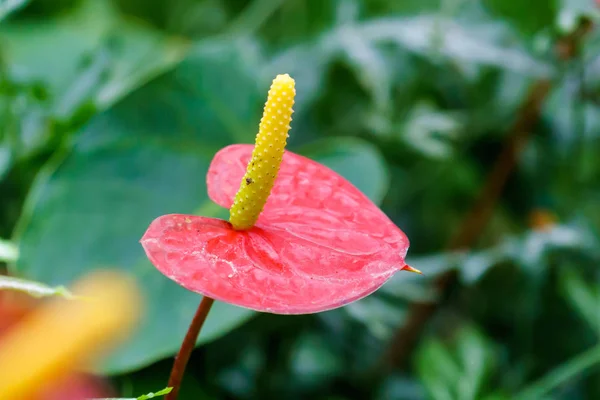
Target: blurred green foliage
[[110, 112]]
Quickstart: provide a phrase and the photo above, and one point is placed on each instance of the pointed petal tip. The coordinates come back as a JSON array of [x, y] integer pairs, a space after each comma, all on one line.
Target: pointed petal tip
[[411, 269]]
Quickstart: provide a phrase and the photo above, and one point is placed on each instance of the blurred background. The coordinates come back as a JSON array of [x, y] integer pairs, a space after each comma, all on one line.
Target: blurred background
[[475, 125]]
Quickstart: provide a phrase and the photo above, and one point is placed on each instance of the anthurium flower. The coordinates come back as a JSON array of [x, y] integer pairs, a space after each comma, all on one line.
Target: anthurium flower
[[45, 349], [300, 239]]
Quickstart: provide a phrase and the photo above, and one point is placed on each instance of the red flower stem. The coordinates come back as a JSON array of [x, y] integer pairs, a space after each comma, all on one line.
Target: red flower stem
[[187, 346]]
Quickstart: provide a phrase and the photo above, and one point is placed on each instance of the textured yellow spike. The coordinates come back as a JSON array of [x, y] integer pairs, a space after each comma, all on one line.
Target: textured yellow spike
[[266, 156]]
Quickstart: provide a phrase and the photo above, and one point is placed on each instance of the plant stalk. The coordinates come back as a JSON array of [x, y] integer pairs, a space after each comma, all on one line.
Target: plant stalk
[[187, 346]]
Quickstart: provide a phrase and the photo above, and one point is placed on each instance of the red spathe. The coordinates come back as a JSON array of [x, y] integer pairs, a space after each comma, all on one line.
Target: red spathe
[[318, 244]]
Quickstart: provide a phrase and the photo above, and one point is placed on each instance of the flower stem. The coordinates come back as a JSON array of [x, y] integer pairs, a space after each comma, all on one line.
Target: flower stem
[[188, 344]]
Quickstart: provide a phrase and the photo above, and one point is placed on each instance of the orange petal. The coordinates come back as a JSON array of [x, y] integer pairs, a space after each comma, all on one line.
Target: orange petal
[[63, 336]]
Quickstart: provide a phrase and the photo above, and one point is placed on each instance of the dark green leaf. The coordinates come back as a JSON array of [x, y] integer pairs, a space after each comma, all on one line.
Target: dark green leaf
[[9, 6], [584, 297], [145, 157], [90, 54], [313, 361], [434, 36], [530, 16], [458, 370]]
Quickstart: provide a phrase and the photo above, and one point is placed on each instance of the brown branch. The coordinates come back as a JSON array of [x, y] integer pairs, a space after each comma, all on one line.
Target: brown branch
[[477, 219], [187, 346], [473, 224], [566, 48]]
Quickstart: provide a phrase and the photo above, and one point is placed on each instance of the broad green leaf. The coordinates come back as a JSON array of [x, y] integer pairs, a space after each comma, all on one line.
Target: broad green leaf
[[357, 160], [527, 250], [561, 375], [306, 63], [145, 157], [364, 45], [459, 369], [372, 69], [313, 361], [477, 359], [9, 6], [378, 315], [434, 36], [407, 7], [496, 396], [431, 132], [529, 16], [437, 369], [34, 289], [90, 54]]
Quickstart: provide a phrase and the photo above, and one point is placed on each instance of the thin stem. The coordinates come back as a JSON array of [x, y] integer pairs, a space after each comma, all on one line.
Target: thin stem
[[561, 375], [188, 344], [579, 115]]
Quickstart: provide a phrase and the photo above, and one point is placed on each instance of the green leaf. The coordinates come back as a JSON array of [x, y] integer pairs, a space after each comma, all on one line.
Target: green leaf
[[102, 55], [529, 16], [313, 361], [561, 375], [496, 396], [10, 6], [8, 251], [34, 289], [379, 316], [584, 297], [570, 11], [457, 370], [153, 395], [476, 357], [431, 132], [437, 369], [145, 157], [527, 250], [148, 379], [364, 46], [148, 396], [433, 36], [358, 161]]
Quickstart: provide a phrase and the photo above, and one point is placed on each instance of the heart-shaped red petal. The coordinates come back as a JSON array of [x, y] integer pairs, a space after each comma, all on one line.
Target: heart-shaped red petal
[[319, 243]]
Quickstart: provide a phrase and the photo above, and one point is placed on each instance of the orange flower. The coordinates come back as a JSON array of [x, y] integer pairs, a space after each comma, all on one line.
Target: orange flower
[[43, 355]]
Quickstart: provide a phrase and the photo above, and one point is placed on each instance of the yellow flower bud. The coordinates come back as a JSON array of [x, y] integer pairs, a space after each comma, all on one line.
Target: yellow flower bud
[[266, 156]]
